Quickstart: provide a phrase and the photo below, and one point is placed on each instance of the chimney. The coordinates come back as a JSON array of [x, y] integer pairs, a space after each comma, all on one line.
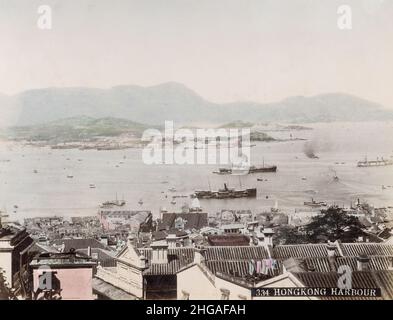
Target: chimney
[[159, 252], [171, 240], [332, 256], [199, 254], [363, 262], [331, 251], [268, 236], [131, 241], [143, 262], [3, 219], [104, 240]]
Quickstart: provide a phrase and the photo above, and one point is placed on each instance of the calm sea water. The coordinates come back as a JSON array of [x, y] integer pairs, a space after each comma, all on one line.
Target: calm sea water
[[49, 192]]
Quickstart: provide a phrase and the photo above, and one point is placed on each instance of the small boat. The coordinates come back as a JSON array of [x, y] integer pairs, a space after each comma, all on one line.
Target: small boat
[[92, 186], [35, 171], [304, 178], [140, 202], [173, 202], [172, 189], [69, 176]]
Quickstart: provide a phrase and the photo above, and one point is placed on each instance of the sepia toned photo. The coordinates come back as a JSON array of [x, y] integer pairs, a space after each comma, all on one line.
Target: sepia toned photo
[[196, 150]]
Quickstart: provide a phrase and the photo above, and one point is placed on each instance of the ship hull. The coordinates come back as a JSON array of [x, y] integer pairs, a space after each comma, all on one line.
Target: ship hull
[[226, 194], [251, 170]]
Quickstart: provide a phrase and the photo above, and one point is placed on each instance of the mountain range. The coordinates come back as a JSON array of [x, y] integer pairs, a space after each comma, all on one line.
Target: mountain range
[[173, 101]]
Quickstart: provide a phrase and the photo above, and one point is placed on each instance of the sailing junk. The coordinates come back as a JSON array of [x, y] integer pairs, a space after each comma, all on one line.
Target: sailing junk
[[226, 193]]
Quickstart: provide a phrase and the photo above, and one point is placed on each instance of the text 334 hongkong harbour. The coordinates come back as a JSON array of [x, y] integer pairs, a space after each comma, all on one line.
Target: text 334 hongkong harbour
[[316, 292]]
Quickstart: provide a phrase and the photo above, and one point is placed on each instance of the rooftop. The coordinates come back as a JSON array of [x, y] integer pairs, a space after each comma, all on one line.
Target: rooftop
[[229, 240], [62, 259], [193, 220], [78, 244], [109, 291]]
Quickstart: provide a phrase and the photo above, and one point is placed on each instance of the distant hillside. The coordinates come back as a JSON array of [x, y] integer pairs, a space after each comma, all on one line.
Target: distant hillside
[[173, 101], [76, 129], [267, 126], [237, 124]]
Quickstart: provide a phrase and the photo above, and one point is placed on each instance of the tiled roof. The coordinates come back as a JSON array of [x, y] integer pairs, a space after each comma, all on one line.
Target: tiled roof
[[300, 251], [177, 258], [236, 253], [385, 281], [375, 263], [218, 258], [229, 240], [111, 292], [41, 248], [318, 264], [193, 220], [105, 257], [385, 234], [240, 268], [322, 264], [370, 249]]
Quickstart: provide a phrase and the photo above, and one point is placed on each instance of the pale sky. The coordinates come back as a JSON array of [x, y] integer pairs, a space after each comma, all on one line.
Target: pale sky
[[225, 50]]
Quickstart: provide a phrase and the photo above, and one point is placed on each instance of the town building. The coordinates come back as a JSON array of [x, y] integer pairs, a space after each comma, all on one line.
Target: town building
[[14, 245], [65, 276], [237, 271]]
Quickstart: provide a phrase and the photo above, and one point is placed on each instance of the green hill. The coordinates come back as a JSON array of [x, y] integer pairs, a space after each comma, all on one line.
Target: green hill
[[76, 129]]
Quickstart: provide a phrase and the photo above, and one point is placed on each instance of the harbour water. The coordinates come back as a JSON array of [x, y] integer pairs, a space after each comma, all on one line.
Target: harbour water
[[41, 182]]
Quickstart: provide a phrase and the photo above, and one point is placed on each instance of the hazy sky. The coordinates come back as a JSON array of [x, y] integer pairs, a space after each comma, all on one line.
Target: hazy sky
[[225, 50]]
